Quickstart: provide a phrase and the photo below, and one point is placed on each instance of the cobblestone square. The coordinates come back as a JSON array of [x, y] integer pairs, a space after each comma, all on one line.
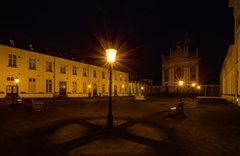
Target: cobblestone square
[[78, 127]]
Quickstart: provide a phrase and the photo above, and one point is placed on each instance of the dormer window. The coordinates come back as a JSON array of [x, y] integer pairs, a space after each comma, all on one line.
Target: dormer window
[[12, 42], [30, 47]]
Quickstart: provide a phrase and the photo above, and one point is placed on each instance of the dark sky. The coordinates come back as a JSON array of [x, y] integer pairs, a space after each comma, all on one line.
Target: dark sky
[[141, 30]]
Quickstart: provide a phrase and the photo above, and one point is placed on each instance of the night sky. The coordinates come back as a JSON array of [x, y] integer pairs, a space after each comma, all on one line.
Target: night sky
[[142, 31]]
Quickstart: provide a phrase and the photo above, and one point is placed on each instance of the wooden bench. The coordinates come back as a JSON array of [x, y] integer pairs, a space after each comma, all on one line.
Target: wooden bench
[[33, 106], [176, 109], [17, 102]]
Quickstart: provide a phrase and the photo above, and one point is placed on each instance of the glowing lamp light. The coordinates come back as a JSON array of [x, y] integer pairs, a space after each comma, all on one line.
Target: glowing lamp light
[[111, 55], [193, 84], [180, 83], [142, 88], [198, 87], [17, 80], [89, 86], [123, 86]]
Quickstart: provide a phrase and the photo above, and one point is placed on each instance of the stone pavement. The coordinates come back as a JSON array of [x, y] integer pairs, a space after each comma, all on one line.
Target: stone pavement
[[76, 127]]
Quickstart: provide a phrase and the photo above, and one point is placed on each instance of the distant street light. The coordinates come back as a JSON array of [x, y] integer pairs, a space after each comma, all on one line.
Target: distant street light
[[142, 88], [193, 91], [111, 56], [89, 91], [198, 88], [17, 81], [123, 87], [180, 83]]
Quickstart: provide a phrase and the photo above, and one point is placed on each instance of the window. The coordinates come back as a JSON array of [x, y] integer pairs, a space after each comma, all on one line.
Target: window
[[193, 73], [166, 75], [63, 69], [178, 73], [49, 66], [12, 60], [12, 42], [120, 78], [84, 87], [31, 85], [74, 87], [115, 76], [48, 86], [32, 63], [74, 70], [84, 72], [30, 47], [10, 78], [94, 73], [103, 75], [103, 88]]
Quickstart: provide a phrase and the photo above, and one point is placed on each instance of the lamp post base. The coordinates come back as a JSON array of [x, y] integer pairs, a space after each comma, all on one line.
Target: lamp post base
[[109, 121]]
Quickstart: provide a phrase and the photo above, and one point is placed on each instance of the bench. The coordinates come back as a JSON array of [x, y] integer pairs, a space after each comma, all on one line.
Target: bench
[[33, 106], [17, 102], [176, 109]]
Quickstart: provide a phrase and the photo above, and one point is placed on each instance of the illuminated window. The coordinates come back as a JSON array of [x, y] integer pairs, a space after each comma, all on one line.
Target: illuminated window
[[49, 66], [74, 70], [32, 64], [48, 86], [74, 87], [12, 60], [30, 47], [12, 42]]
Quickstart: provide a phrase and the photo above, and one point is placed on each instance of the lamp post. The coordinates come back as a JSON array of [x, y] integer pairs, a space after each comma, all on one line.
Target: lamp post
[[193, 91], [180, 83], [17, 81], [123, 87], [142, 88], [111, 55], [198, 88], [89, 91]]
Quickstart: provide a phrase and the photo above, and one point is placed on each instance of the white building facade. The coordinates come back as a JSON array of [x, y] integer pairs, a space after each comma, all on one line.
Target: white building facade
[[229, 75], [181, 65]]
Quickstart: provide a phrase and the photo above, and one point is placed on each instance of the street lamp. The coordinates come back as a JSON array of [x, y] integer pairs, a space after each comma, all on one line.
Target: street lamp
[[198, 88], [142, 88], [123, 86], [89, 91], [17, 81], [111, 55], [180, 83], [193, 91]]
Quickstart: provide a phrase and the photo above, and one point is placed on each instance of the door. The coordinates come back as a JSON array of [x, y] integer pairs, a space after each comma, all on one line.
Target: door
[[11, 90], [62, 87], [95, 90]]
